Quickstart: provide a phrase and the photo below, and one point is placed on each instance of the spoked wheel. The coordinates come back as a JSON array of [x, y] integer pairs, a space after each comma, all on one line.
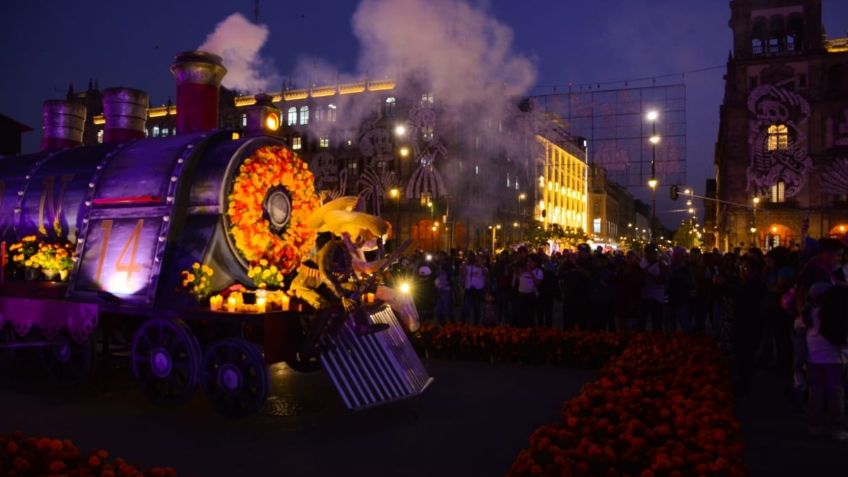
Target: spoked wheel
[[68, 362], [236, 381], [166, 360]]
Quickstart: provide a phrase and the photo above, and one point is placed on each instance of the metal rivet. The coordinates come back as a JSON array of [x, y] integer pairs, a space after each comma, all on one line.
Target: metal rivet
[[28, 177], [173, 178], [166, 218], [20, 192], [161, 238], [180, 160], [190, 146], [169, 199], [88, 203]]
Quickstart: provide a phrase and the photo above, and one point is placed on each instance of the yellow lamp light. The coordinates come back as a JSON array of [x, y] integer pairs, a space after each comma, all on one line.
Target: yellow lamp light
[[272, 122]]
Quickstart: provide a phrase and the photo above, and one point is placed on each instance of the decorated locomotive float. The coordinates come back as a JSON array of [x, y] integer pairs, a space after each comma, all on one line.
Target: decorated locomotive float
[[204, 256]]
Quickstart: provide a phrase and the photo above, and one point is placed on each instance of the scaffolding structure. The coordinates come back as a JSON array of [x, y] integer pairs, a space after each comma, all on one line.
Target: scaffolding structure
[[613, 121]]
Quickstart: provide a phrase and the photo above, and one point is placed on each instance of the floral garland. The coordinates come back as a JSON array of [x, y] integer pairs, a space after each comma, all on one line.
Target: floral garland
[[269, 167]]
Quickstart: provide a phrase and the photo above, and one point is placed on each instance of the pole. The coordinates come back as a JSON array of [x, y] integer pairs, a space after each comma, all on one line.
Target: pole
[[653, 177]]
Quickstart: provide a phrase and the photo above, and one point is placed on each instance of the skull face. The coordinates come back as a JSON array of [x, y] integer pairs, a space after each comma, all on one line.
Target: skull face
[[772, 111], [325, 168], [376, 144]]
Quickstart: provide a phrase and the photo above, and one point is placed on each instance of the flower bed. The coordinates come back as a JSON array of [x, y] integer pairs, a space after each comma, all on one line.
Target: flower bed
[[22, 456], [520, 345], [662, 406]]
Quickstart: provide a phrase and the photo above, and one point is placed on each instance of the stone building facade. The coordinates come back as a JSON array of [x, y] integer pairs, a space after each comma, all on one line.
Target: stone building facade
[[782, 152]]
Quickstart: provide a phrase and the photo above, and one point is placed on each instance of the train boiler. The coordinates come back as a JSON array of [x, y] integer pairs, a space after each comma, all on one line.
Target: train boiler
[[137, 211]]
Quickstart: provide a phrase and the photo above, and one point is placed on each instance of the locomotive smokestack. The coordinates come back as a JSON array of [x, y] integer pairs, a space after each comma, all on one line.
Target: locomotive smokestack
[[125, 110], [198, 76], [62, 123]]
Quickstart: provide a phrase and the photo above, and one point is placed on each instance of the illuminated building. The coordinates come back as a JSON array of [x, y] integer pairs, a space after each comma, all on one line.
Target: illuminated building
[[780, 160], [455, 177], [561, 196]]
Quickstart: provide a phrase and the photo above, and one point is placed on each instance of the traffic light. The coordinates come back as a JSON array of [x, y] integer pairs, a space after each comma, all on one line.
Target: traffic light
[[674, 192]]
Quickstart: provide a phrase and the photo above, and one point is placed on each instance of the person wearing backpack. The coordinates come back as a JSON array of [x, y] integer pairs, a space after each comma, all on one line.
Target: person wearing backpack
[[827, 349]]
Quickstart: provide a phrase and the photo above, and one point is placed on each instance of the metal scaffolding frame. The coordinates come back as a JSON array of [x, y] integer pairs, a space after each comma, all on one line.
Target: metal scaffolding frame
[[613, 121]]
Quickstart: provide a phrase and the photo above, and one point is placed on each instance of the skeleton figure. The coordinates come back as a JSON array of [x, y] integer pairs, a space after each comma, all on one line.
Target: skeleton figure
[[375, 143], [427, 147], [426, 179], [373, 186], [775, 106], [325, 167]]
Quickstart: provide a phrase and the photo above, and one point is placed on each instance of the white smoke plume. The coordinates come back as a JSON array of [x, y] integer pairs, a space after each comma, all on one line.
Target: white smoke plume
[[463, 52], [238, 41]]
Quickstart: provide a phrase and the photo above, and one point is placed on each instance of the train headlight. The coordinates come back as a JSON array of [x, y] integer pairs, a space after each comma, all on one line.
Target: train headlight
[[272, 122], [405, 288]]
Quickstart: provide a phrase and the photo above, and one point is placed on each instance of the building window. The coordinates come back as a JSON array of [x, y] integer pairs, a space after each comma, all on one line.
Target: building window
[[100, 136], [244, 120], [155, 131], [304, 115], [164, 132], [758, 35], [316, 115], [596, 226], [292, 118], [297, 143], [324, 142], [427, 133], [391, 106], [778, 191], [508, 184], [778, 137], [426, 98], [331, 113]]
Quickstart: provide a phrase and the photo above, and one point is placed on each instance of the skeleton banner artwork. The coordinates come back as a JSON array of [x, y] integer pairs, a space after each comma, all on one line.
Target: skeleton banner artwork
[[777, 140]]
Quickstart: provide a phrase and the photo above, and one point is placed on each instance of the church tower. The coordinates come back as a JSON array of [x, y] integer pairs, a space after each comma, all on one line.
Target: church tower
[[783, 132]]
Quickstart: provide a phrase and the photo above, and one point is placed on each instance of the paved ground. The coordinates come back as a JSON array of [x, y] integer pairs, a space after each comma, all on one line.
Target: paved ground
[[775, 431], [471, 422]]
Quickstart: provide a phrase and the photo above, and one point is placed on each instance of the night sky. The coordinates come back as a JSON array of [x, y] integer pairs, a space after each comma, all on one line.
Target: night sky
[[47, 44]]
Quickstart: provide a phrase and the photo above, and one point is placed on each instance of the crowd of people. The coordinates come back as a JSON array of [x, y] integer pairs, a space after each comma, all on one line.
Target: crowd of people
[[782, 309]]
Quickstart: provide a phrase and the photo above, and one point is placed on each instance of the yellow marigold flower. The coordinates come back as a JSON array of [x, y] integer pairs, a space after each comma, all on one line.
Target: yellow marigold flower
[[195, 265], [29, 238], [190, 277], [273, 269], [279, 277], [263, 262]]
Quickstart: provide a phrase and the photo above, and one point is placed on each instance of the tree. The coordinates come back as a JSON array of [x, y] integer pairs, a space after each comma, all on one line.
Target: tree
[[687, 235]]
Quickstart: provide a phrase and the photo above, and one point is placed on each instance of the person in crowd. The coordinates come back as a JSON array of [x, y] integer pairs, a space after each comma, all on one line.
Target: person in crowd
[[680, 291], [827, 350], [653, 291], [576, 273], [474, 282], [748, 293], [702, 295], [443, 311], [600, 291], [527, 282], [628, 284], [548, 292]]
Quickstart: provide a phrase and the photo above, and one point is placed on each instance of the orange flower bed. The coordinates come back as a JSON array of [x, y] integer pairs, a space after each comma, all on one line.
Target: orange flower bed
[[555, 347], [662, 406], [267, 168], [22, 456]]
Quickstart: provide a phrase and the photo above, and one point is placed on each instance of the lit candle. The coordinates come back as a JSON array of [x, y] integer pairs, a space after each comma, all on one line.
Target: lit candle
[[285, 302], [260, 304], [216, 302], [231, 304]]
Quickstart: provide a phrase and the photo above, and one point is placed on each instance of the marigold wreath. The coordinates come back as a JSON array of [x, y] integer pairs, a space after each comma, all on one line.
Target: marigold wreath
[[272, 197]]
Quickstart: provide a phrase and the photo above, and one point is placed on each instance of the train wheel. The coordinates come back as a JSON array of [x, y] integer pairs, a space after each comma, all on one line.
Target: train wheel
[[236, 381], [7, 355], [68, 362], [166, 360]]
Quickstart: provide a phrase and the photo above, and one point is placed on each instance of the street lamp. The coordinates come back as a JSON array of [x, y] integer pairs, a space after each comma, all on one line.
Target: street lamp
[[652, 117], [400, 130], [394, 193]]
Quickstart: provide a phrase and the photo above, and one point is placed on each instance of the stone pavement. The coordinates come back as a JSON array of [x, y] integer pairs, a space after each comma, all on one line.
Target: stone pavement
[[775, 432], [472, 421]]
